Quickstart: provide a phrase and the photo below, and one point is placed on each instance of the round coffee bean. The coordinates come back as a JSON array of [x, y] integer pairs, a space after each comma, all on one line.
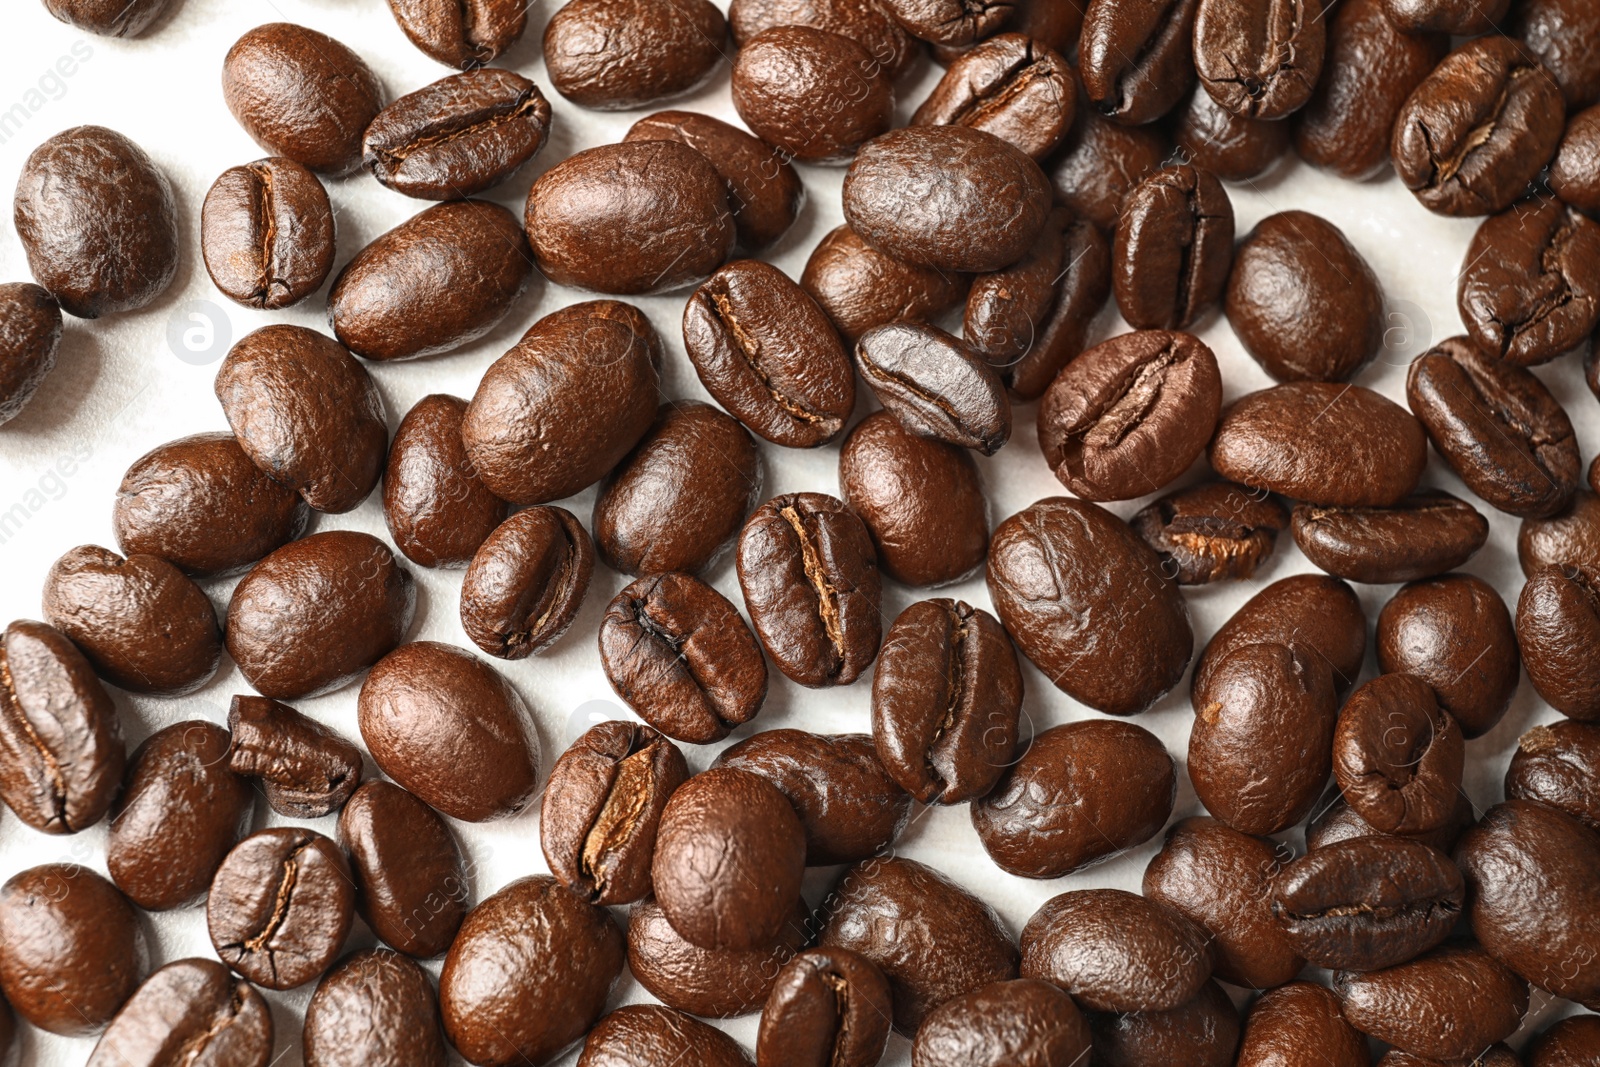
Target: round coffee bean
[[1211, 532], [305, 769], [859, 287], [866, 23], [1557, 765], [1571, 1042], [1558, 621], [411, 884], [1259, 58], [1425, 534], [1312, 611], [935, 386], [1300, 1025], [267, 233], [1397, 755], [1137, 61], [436, 508], [1012, 86], [715, 983], [1574, 176], [1022, 1022], [526, 582], [193, 1005], [1455, 634], [1233, 147], [645, 1034], [1100, 160], [618, 54], [1449, 1005], [1203, 1032], [466, 34], [784, 77], [1569, 537], [376, 1007], [829, 1007], [1462, 17], [110, 18], [1173, 248], [30, 333]]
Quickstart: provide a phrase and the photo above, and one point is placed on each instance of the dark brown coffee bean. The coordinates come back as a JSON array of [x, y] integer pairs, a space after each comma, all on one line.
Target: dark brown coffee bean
[[425, 698], [1575, 171], [1397, 755], [267, 233], [592, 371], [1203, 1032], [1211, 532], [619, 54], [1079, 793], [1300, 1025], [935, 386], [1455, 634], [376, 1007], [301, 94], [1496, 1055], [193, 1008], [951, 22], [1446, 16], [1083, 286], [529, 974], [1011, 86], [1559, 765], [716, 983], [641, 1035], [602, 807], [1137, 59], [830, 1007], [1425, 534], [678, 653], [1478, 129], [411, 885], [110, 18], [1023, 1022], [97, 221], [1571, 1042], [1088, 604], [1530, 287], [862, 21], [1233, 147], [30, 333], [1100, 160], [1321, 614], [784, 77], [1450, 1004], [281, 906], [1173, 247], [1116, 951], [461, 33], [931, 938], [436, 508], [859, 287], [306, 770], [318, 612], [1131, 414], [181, 810], [1557, 32], [810, 580], [1336, 821], [526, 582], [1558, 622], [1259, 58], [1569, 537]]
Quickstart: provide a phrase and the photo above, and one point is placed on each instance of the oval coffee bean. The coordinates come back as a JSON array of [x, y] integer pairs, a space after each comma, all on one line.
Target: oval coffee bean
[[181, 810], [1300, 1025], [1131, 414], [868, 24], [97, 221], [110, 18], [829, 1007], [193, 1005], [1569, 1043], [318, 612], [714, 983], [1204, 1031], [464, 33], [526, 582], [1425, 534], [267, 233], [677, 652], [1137, 60], [436, 508], [306, 770], [1446, 16], [1100, 160], [619, 54], [1318, 613], [1449, 1005], [1530, 288], [1079, 793], [643, 1034], [411, 884], [1022, 1022], [1398, 756], [457, 137], [1455, 634], [1559, 765], [1336, 821], [1569, 537], [784, 76], [935, 386], [1173, 247], [376, 1007], [1553, 30], [1558, 623], [1234, 148], [29, 337], [1083, 286], [602, 807], [947, 22], [1259, 58], [1574, 176], [1007, 308], [859, 287], [1088, 604], [1012, 86], [1211, 532]]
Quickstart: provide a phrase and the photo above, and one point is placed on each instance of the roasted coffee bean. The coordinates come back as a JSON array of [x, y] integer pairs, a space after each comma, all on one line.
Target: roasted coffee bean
[[743, 902], [1450, 1004], [1530, 287], [411, 885], [848, 805], [677, 501], [1232, 147], [376, 1007], [1559, 765], [463, 33], [1314, 611], [946, 701], [280, 906], [1557, 33], [1088, 604], [1131, 414], [74, 949], [1056, 25], [528, 974], [786, 76], [306, 770], [1084, 283], [1220, 880], [1496, 1055], [715, 983], [1077, 794], [1022, 1022], [1575, 171], [1462, 17], [1455, 634], [267, 233], [1425, 534], [109, 18], [318, 612], [1571, 536], [1323, 443], [1116, 951], [677, 652], [1100, 160], [301, 94], [1173, 247], [1369, 903], [1137, 59], [144, 626], [306, 413], [1259, 58], [948, 197], [30, 333], [810, 580], [1012, 86], [863, 21], [1479, 128], [1370, 69], [1336, 821], [641, 1035], [1303, 301], [931, 938], [1211, 532], [859, 287], [97, 221], [1497, 426], [830, 1007], [1300, 1025], [935, 386], [192, 1008], [1558, 622], [1203, 1032], [425, 698], [602, 806], [951, 22], [1571, 1042], [436, 508], [1398, 756], [526, 582], [181, 810], [618, 54], [592, 372]]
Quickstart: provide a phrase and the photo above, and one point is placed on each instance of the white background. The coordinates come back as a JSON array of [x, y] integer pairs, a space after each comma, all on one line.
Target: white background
[[120, 389]]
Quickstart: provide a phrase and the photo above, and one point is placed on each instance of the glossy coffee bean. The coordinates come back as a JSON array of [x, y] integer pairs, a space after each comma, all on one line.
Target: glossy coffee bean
[[1455, 634], [526, 582], [376, 1007], [945, 22], [411, 884], [144, 626], [1556, 765], [713, 983], [1333, 821], [1446, 16], [1300, 1025], [1116, 951], [1313, 611], [1530, 287], [110, 18], [1571, 536], [618, 54], [1023, 1022], [1423, 535], [1572, 1041], [1233, 147], [281, 906], [1574, 176], [1558, 621], [1211, 532], [1137, 60], [935, 386], [1063, 574], [528, 974], [930, 937], [28, 342], [1478, 129], [1259, 58], [305, 769], [859, 287], [267, 233], [193, 1005], [1079, 793], [1555, 31], [1010, 85], [829, 1007], [181, 810], [643, 1034], [463, 34], [1100, 160], [1205, 1032], [784, 76], [436, 508], [1173, 247], [425, 698], [1006, 309], [677, 652], [1496, 1055], [301, 94], [97, 222], [864, 22], [602, 807], [318, 612], [1131, 414], [1450, 1004], [1398, 756]]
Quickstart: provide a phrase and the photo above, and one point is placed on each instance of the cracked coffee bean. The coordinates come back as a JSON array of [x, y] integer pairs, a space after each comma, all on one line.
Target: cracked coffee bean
[[306, 770], [935, 386], [461, 33], [267, 233], [1423, 535], [195, 1006], [1259, 58], [526, 582], [1137, 59], [1212, 532], [1011, 86], [1173, 248], [829, 1007]]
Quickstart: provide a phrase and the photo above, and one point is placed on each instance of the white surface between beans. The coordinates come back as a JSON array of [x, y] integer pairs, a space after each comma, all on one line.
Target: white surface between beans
[[120, 388]]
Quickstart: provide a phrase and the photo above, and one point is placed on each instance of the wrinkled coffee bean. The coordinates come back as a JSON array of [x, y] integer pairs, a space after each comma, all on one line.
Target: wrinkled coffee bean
[[1464, 17], [1336, 821], [618, 54], [1398, 756], [714, 983], [1425, 534], [306, 770], [1558, 622], [526, 582], [1450, 1004], [411, 884], [1571, 537], [863, 21], [1100, 160], [1173, 247], [1116, 951], [1211, 532], [1455, 634], [1559, 765], [1574, 173], [110, 18], [1259, 58], [1557, 32], [461, 33], [1496, 1055], [1571, 1042], [829, 1007], [784, 77], [1233, 147], [1022, 1022], [30, 333], [641, 1035], [436, 508], [955, 23], [935, 386], [859, 287], [1137, 59], [1530, 288], [376, 1007], [1011, 86], [1300, 1025], [1203, 1032], [1321, 614], [267, 233], [194, 1008]]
